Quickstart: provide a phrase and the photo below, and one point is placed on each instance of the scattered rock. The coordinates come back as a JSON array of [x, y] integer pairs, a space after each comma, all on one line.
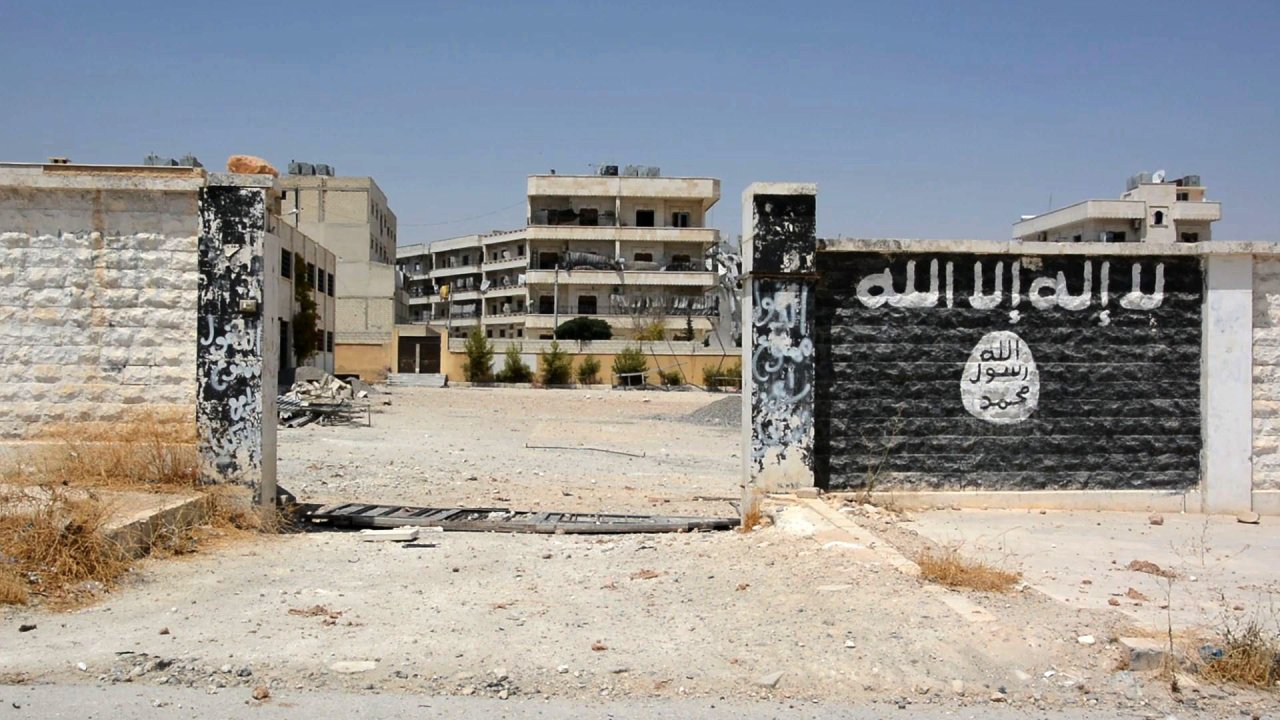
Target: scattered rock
[[1086, 640], [500, 674], [164, 631], [1249, 518], [1145, 653], [562, 669], [1133, 594], [402, 534], [1114, 602], [645, 574], [82, 667], [26, 628], [770, 681], [999, 697], [1156, 519], [244, 672], [599, 646], [957, 687], [261, 693], [1146, 566], [349, 667], [807, 493]]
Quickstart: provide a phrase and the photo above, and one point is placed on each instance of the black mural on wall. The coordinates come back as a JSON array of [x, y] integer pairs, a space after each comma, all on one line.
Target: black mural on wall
[[1008, 372], [784, 239]]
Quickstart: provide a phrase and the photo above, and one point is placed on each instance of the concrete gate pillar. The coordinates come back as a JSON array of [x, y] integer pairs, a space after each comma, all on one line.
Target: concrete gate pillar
[[1226, 385], [779, 245], [237, 357]]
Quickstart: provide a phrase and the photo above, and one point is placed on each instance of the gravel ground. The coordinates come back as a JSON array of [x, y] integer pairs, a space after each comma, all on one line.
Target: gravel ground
[[781, 614]]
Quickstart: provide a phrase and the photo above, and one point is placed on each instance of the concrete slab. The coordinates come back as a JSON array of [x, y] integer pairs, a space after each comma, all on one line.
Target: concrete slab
[[1225, 568]]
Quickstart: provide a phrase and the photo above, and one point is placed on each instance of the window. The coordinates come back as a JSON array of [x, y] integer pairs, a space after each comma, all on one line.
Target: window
[[331, 288], [548, 260], [586, 304], [519, 332], [328, 341], [680, 260], [519, 251], [284, 194], [320, 282], [546, 305], [589, 216], [1075, 238], [1184, 196], [466, 259], [320, 342], [644, 257], [1190, 237], [286, 264], [502, 333], [644, 218], [1158, 218], [680, 219], [311, 274], [1113, 236]]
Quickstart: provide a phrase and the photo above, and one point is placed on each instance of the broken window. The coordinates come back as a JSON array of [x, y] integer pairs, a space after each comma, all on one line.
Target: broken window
[[644, 218]]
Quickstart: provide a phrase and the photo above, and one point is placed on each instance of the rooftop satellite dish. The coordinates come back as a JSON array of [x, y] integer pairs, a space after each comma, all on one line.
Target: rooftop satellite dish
[[1157, 176]]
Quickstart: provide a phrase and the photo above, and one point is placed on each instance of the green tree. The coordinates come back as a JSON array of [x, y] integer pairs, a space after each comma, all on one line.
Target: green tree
[[557, 366], [589, 371], [630, 360], [479, 364], [584, 329], [307, 335], [514, 370]]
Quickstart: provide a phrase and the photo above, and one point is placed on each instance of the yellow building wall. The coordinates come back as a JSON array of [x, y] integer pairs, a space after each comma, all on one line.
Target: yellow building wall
[[370, 362]]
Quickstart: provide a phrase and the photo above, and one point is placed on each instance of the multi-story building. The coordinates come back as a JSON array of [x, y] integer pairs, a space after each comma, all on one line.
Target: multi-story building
[[1152, 209], [350, 217], [627, 248]]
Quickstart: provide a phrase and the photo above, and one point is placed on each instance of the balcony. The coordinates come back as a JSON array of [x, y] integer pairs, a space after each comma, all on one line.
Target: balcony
[[441, 272], [504, 290], [509, 264], [505, 318], [1196, 211], [562, 233], [706, 190], [696, 278], [617, 320]]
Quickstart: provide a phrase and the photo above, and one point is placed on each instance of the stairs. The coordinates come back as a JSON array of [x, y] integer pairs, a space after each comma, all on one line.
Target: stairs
[[416, 380]]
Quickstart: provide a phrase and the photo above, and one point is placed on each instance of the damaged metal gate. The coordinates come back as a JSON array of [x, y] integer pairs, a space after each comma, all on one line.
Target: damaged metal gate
[[363, 515]]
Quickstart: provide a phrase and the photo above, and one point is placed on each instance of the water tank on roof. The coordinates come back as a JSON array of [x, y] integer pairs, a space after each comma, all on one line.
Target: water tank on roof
[[631, 171], [154, 160], [1191, 181], [652, 171], [609, 170], [189, 160], [301, 168], [324, 169]]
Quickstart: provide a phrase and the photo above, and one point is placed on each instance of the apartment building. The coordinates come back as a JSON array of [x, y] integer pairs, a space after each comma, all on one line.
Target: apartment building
[[350, 217], [626, 247], [1152, 209], [302, 260]]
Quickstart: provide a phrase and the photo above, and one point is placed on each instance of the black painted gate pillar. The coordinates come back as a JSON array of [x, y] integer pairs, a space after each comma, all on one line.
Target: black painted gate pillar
[[779, 242]]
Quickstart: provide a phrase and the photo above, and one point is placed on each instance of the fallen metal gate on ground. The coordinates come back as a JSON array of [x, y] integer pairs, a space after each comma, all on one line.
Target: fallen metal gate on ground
[[363, 515]]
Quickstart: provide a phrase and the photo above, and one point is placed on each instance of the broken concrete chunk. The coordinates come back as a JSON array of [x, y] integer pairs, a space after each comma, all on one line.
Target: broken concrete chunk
[[404, 534], [350, 667], [1156, 519], [1249, 518], [1145, 653], [771, 680], [250, 165]]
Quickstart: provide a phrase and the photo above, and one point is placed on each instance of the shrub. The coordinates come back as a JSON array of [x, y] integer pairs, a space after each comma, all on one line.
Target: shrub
[[584, 329], [589, 371], [479, 364], [630, 360], [947, 567], [713, 377], [557, 367], [652, 331], [514, 370], [671, 378]]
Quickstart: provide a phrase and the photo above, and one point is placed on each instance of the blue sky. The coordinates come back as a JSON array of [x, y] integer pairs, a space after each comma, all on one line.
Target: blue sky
[[944, 119]]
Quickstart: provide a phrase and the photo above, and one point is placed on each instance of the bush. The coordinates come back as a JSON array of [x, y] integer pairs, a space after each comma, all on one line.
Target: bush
[[652, 331], [307, 335], [514, 370], [589, 371], [630, 360], [479, 364], [557, 367], [713, 377], [584, 329], [671, 378]]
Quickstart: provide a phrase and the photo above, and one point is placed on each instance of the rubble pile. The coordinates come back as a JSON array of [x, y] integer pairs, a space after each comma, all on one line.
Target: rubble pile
[[319, 396]]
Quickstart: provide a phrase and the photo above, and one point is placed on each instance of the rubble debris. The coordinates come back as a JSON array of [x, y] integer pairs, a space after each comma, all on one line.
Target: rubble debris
[[1145, 653], [493, 519], [26, 628], [250, 165], [1146, 566], [401, 534], [771, 680], [319, 396], [1156, 519], [1249, 518], [261, 693]]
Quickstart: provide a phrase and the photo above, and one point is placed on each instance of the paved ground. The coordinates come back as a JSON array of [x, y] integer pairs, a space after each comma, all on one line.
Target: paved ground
[[814, 608]]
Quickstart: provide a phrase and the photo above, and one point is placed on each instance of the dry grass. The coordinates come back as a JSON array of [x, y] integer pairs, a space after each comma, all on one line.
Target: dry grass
[[947, 567], [54, 547], [1250, 656], [151, 451]]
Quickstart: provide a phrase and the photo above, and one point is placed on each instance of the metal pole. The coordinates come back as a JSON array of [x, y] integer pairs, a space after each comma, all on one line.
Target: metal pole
[[555, 302]]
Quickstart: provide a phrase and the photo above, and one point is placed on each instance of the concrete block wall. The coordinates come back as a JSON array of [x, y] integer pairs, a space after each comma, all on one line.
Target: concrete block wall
[[97, 306], [1266, 374]]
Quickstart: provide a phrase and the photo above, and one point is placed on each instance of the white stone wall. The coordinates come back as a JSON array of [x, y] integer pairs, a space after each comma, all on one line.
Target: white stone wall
[[1266, 374], [94, 325]]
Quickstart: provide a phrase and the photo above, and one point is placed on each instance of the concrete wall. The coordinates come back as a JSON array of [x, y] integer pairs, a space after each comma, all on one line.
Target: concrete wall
[[97, 302], [1266, 374], [1009, 372]]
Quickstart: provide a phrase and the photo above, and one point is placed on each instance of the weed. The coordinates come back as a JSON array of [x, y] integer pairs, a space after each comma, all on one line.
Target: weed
[[671, 378], [1250, 655], [947, 567]]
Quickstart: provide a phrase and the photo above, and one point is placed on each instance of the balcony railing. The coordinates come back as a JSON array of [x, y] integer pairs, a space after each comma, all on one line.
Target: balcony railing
[[640, 305]]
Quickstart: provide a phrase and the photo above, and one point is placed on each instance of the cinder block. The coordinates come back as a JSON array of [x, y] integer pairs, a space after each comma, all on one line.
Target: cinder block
[[1145, 653], [403, 534]]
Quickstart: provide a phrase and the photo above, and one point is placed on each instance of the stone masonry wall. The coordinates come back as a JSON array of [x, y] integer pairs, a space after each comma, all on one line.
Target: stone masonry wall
[[1001, 372], [97, 306], [1266, 374]]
